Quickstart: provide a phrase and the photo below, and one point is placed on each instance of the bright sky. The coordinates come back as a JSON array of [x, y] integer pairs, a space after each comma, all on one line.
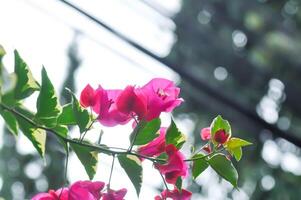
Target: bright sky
[[42, 32]]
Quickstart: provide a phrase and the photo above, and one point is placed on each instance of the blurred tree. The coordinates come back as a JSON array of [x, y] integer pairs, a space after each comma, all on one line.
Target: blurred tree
[[248, 49]]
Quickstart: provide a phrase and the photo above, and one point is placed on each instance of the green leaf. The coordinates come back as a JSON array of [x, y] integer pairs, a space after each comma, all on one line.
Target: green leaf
[[26, 84], [48, 107], [174, 136], [237, 152], [224, 168], [179, 183], [2, 53], [35, 135], [88, 157], [81, 115], [132, 166], [234, 143], [219, 123], [146, 131], [67, 116], [199, 165], [10, 121], [9, 99], [62, 130]]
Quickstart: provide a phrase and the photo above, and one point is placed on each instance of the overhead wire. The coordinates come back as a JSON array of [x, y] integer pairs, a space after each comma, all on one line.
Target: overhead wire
[[192, 79]]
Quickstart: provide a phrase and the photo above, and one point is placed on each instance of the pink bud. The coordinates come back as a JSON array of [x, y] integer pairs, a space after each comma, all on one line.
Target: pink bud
[[87, 97], [221, 136], [205, 133]]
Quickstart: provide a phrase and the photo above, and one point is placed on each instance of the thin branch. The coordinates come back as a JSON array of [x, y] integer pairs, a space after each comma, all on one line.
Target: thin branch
[[111, 172], [98, 147], [135, 132]]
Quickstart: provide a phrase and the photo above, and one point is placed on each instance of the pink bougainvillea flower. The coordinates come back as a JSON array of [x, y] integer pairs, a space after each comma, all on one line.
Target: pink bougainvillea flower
[[162, 96], [115, 195], [87, 96], [102, 102], [132, 102], [61, 194], [110, 115], [175, 166], [205, 133], [221, 136], [79, 190], [155, 147], [86, 190], [175, 195]]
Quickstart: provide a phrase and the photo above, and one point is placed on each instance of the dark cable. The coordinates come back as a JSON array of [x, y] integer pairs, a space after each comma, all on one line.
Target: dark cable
[[198, 83]]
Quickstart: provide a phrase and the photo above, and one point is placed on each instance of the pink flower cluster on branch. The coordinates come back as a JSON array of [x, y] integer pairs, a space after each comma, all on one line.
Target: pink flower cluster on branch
[[83, 190], [116, 107], [175, 167]]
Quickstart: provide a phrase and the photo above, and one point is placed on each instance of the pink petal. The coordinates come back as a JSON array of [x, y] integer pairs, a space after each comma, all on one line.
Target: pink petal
[[129, 102], [205, 133], [176, 194], [175, 167], [87, 96], [115, 195], [162, 95], [155, 147], [86, 190]]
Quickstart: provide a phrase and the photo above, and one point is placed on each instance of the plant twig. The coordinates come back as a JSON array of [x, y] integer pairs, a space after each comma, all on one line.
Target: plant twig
[[95, 147], [111, 172]]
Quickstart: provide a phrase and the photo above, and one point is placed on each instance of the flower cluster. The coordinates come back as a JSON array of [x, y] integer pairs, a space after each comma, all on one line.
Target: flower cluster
[[149, 140], [116, 107], [175, 167], [83, 190]]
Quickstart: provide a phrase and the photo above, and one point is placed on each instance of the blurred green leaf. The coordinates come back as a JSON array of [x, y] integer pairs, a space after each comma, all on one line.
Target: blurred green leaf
[[35, 135], [234, 145], [9, 100], [10, 121], [237, 142], [2, 53], [132, 167], [237, 152], [26, 84], [224, 168], [62, 130], [67, 116], [174, 136], [88, 157], [48, 107], [179, 183], [81, 115], [199, 165], [146, 131]]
